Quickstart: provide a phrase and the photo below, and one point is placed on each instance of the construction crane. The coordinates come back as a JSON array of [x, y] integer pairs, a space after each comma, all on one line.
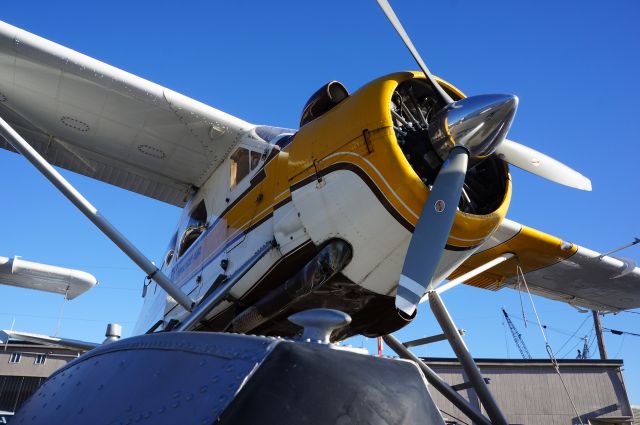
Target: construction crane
[[585, 349], [517, 338]]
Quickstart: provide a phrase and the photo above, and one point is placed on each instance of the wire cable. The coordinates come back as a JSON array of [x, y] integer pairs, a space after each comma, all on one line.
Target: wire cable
[[591, 353], [564, 356], [617, 332], [549, 328], [573, 334], [580, 340], [620, 347], [81, 319], [552, 357]]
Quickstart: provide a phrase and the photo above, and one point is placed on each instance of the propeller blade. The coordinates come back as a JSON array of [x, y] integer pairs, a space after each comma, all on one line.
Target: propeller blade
[[541, 165], [432, 231], [391, 16]]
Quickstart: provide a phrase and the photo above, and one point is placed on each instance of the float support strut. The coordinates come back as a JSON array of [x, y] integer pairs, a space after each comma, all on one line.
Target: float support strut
[[468, 364], [22, 146], [437, 382]]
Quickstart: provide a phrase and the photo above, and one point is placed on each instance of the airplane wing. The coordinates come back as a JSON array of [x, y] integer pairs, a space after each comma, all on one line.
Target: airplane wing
[[555, 269], [91, 118]]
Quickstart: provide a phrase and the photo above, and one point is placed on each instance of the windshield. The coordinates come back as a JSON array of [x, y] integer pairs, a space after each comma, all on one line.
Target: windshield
[[268, 133]]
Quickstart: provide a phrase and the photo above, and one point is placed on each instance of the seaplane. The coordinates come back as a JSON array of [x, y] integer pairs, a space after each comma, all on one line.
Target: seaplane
[[381, 199], [379, 196]]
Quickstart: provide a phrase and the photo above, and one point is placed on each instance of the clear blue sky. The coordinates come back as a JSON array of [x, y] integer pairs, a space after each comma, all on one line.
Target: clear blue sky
[[573, 64]]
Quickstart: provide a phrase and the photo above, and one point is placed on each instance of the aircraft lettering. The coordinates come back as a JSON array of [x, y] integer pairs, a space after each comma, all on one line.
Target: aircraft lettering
[[185, 263]]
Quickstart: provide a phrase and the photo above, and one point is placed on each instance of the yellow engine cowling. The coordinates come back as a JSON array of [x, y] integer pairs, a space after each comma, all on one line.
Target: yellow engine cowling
[[360, 131]]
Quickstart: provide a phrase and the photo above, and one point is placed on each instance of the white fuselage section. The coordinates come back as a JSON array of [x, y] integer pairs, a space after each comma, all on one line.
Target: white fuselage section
[[340, 205]]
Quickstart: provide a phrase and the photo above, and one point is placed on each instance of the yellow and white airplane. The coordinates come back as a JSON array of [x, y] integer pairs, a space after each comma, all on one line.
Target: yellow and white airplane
[[379, 196]]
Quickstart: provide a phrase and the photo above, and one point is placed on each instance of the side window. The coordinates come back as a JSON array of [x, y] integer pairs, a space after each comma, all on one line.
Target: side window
[[243, 161], [197, 224], [239, 166], [255, 160], [170, 250], [15, 358]]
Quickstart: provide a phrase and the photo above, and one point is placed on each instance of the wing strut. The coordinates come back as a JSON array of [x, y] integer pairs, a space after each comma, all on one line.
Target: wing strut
[[470, 274], [21, 145]]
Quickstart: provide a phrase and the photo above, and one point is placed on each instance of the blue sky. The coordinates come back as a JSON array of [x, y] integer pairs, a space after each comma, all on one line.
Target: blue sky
[[573, 64]]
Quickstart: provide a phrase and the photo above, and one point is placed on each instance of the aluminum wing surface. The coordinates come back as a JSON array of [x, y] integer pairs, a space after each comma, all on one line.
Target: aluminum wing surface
[[555, 269], [91, 118]]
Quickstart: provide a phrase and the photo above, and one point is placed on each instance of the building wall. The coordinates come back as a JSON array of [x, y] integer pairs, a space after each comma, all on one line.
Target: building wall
[[531, 393], [55, 359], [19, 380], [14, 390]]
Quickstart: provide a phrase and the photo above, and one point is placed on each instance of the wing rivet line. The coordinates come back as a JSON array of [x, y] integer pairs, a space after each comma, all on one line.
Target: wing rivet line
[[74, 123], [152, 151]]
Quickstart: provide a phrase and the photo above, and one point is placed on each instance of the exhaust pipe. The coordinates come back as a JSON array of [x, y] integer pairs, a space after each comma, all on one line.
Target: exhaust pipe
[[330, 260]]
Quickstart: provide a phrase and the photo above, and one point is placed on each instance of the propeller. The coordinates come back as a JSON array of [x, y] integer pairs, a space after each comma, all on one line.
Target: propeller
[[541, 165], [471, 127]]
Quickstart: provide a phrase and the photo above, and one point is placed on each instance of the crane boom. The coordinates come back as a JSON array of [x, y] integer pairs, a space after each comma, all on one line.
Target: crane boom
[[517, 338]]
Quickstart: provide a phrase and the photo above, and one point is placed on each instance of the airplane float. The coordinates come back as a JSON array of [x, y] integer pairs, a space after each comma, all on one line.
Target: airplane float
[[44, 277], [379, 196]]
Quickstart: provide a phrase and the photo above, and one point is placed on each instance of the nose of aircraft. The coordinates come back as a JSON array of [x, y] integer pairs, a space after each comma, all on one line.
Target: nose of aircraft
[[477, 123]]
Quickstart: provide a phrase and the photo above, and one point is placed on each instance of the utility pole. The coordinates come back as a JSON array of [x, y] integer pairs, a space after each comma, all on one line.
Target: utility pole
[[598, 328]]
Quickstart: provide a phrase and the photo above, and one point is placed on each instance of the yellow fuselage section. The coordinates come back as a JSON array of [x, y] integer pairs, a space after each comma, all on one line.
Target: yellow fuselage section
[[355, 135]]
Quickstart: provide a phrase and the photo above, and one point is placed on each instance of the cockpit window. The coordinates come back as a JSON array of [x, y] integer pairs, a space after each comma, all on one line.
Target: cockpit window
[[268, 133], [196, 226], [243, 161]]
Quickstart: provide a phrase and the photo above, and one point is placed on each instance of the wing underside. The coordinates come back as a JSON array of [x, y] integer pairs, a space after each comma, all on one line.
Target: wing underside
[[91, 118], [555, 269]]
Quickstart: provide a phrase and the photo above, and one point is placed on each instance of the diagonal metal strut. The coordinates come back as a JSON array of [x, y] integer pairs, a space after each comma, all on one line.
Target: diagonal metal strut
[[22, 146], [468, 364], [438, 383]]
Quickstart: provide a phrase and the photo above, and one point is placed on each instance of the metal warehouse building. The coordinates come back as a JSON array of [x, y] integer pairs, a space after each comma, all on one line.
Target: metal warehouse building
[[530, 392], [24, 366]]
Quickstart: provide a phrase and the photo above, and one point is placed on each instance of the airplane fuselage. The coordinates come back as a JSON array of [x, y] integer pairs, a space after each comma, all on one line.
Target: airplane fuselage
[[348, 175]]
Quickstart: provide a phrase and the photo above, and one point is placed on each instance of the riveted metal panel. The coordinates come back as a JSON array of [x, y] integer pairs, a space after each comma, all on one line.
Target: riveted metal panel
[[170, 378]]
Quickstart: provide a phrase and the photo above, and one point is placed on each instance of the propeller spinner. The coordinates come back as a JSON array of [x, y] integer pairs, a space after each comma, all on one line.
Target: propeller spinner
[[476, 126]]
